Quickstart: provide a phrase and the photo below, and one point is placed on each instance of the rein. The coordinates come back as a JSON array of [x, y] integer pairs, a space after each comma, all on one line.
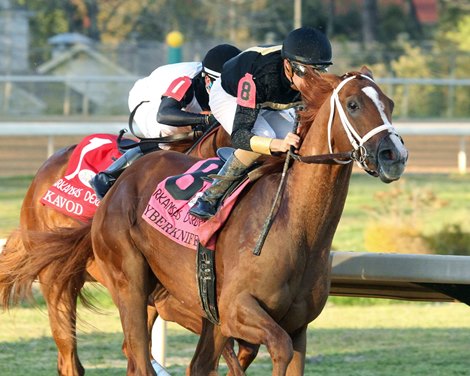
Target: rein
[[280, 191], [355, 139], [189, 136], [204, 137], [358, 154]]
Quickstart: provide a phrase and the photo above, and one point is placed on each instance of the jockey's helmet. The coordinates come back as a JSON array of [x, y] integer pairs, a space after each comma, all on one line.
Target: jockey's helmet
[[216, 57], [307, 46]]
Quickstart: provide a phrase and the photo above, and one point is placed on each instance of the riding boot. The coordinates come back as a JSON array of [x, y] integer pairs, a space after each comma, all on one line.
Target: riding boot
[[104, 180], [206, 205]]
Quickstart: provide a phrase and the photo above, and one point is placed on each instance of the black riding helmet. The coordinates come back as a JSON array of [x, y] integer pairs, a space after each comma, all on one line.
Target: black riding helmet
[[307, 46], [216, 57]]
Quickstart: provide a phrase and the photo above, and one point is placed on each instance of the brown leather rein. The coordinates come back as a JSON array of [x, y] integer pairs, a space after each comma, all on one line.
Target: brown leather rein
[[358, 155], [324, 158]]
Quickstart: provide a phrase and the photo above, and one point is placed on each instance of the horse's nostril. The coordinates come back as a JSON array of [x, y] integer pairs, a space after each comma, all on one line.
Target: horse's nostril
[[387, 154]]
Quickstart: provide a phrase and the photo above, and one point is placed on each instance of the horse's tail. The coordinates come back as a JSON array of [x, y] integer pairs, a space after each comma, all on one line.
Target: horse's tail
[[62, 253], [12, 258]]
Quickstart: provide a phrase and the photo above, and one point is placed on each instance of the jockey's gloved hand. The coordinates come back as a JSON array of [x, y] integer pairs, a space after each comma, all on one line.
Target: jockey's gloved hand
[[210, 121]]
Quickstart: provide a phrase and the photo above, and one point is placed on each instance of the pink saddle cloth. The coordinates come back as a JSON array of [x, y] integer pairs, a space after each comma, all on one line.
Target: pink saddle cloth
[[168, 207], [72, 194]]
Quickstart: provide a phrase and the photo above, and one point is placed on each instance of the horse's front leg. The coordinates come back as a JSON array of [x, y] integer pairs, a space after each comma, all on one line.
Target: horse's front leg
[[247, 353], [62, 311], [152, 315], [243, 317], [299, 341], [208, 351]]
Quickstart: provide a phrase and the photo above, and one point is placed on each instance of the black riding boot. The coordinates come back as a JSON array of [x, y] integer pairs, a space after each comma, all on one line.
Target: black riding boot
[[104, 180], [206, 206]]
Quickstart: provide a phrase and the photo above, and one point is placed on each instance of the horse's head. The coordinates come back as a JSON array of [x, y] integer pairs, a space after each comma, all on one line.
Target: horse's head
[[360, 117]]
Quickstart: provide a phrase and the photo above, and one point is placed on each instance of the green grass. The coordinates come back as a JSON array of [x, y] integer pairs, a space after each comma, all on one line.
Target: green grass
[[379, 340], [361, 337], [451, 205], [12, 191], [451, 191]]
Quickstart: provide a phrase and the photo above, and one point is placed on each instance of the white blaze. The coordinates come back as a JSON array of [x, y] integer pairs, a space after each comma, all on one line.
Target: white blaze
[[374, 96]]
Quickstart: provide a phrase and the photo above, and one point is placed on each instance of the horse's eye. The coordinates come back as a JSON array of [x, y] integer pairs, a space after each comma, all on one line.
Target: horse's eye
[[353, 106]]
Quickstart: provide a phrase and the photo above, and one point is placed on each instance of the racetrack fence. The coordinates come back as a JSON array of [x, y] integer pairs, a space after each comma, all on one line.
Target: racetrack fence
[[435, 146]]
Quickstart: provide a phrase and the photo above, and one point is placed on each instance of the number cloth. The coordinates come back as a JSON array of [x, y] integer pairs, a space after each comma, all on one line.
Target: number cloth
[[72, 194], [168, 207]]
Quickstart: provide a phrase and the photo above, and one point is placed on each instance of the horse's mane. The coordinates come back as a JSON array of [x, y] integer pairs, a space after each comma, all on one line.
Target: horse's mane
[[316, 90], [314, 93]]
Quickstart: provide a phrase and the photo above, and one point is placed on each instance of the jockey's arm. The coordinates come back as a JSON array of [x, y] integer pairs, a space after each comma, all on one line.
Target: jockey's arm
[[171, 113], [243, 138], [243, 124]]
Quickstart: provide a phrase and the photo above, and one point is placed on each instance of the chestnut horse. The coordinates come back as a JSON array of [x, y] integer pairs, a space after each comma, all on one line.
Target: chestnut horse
[[37, 218], [267, 299]]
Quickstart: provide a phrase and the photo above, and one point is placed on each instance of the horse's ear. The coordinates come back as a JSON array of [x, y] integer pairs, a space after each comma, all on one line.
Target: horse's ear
[[366, 71]]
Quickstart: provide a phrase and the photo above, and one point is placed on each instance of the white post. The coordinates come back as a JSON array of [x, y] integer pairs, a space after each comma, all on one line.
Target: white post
[[159, 341], [50, 145], [297, 14], [462, 158]]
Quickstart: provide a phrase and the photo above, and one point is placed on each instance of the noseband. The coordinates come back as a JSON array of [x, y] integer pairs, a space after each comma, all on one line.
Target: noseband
[[359, 153]]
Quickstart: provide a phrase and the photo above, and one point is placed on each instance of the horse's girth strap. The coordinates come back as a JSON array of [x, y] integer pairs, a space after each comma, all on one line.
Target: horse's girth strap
[[205, 271]]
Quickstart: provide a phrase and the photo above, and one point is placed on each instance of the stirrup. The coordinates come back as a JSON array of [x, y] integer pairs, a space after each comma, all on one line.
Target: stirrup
[[102, 183], [203, 209]]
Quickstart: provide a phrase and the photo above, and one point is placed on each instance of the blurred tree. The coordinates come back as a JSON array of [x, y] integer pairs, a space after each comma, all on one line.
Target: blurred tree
[[369, 23], [416, 100], [48, 19], [53, 17], [331, 16], [450, 11], [459, 36], [413, 25], [458, 65]]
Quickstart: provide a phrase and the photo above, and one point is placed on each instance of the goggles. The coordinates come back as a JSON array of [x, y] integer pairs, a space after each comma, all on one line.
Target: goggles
[[301, 70], [213, 75]]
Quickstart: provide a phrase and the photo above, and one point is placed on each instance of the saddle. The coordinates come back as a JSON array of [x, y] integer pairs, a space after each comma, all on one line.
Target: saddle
[[168, 206], [72, 194], [168, 212]]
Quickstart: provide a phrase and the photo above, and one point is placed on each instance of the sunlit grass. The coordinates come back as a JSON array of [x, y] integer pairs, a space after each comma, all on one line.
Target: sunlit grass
[[392, 339], [380, 339], [449, 189]]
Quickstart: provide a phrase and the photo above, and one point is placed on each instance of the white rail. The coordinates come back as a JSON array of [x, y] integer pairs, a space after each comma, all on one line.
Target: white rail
[[67, 128], [52, 129]]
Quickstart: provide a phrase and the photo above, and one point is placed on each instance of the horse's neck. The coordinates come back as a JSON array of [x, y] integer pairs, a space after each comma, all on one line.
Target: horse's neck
[[317, 192]]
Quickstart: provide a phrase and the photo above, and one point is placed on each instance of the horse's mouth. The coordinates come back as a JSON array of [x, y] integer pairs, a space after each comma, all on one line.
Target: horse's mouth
[[390, 170], [391, 176], [392, 157]]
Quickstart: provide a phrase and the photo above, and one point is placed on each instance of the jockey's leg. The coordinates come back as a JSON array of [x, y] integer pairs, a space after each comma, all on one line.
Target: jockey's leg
[[104, 180], [232, 170]]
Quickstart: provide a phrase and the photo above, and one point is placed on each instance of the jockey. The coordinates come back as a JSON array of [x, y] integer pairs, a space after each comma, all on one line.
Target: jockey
[[251, 86], [170, 100]]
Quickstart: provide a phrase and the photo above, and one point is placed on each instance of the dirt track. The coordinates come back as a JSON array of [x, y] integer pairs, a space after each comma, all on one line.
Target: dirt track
[[24, 155]]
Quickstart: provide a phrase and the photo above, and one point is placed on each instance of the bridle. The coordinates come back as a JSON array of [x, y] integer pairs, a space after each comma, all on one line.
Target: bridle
[[359, 153]]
